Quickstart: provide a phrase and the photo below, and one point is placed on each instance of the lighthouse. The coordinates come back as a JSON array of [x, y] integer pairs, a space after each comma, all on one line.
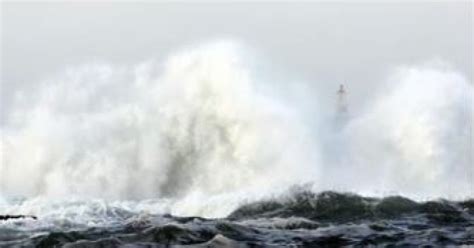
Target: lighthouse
[[341, 100]]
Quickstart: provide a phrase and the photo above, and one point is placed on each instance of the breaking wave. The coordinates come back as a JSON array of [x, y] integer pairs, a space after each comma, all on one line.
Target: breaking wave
[[204, 132]]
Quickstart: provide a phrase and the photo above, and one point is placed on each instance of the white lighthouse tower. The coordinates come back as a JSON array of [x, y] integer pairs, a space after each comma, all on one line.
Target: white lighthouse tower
[[341, 100]]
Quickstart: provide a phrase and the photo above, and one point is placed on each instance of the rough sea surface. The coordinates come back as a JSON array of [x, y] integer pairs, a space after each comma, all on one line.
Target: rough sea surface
[[302, 219]]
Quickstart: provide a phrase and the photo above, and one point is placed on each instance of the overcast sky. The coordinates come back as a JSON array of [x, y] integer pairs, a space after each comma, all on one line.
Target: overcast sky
[[352, 42]]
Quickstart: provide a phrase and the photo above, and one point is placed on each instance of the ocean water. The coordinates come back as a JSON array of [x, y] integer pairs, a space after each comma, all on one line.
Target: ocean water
[[301, 218], [201, 149]]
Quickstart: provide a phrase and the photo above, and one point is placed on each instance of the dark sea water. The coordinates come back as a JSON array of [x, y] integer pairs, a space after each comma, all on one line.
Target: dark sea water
[[303, 219]]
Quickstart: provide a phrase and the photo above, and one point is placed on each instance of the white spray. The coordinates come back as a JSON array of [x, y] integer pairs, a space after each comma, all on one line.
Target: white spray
[[196, 126], [203, 133]]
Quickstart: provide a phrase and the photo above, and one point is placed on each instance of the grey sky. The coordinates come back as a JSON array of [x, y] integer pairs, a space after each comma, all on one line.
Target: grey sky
[[321, 42]]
